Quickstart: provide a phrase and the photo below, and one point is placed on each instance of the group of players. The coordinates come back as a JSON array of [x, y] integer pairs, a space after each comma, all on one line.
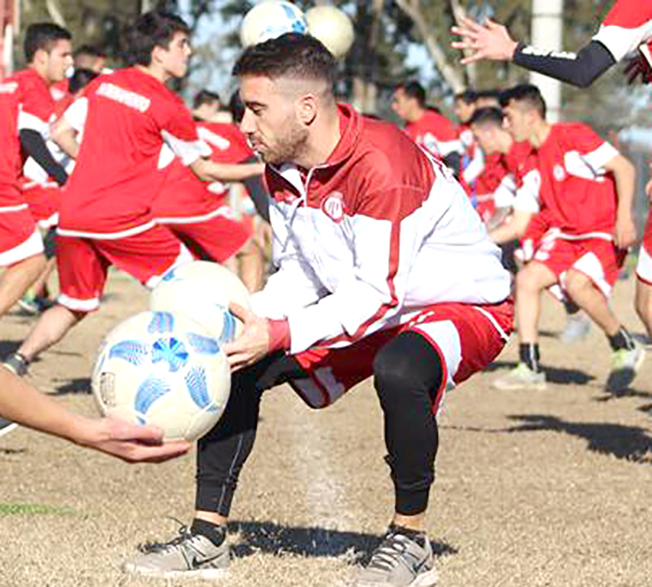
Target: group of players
[[555, 194], [362, 216]]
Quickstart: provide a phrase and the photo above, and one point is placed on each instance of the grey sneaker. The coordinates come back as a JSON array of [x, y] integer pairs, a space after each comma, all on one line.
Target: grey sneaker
[[625, 363], [16, 363], [578, 326], [521, 377], [6, 426], [187, 555], [400, 562]]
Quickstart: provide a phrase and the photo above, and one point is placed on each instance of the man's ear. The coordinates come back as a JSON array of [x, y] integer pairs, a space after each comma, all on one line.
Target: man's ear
[[307, 109]]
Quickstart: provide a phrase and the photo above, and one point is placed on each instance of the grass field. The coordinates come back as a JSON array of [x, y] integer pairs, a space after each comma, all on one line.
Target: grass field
[[549, 488]]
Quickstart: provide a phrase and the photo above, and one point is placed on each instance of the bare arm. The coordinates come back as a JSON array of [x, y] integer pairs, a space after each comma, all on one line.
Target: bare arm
[[625, 176], [25, 405], [64, 135], [512, 230], [208, 170]]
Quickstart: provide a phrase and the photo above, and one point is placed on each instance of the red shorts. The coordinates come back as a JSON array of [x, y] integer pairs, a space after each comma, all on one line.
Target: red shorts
[[19, 237], [83, 263], [218, 237], [596, 258], [43, 202], [466, 337]]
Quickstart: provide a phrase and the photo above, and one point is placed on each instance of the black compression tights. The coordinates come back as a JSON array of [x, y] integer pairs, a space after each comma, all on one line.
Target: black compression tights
[[407, 374]]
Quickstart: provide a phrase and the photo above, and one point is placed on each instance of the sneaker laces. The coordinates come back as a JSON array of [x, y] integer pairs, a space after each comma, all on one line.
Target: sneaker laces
[[184, 534], [389, 552]]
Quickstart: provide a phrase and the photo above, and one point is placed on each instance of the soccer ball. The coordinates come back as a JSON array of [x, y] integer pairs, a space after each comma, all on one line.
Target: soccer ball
[[270, 20], [164, 369], [332, 27], [202, 290]]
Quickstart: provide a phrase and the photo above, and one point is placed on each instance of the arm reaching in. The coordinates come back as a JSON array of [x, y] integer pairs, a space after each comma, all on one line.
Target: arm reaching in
[[132, 443]]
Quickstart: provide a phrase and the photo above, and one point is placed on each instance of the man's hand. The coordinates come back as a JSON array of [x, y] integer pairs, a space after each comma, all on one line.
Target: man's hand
[[489, 41], [638, 70], [130, 442], [625, 232], [254, 342]]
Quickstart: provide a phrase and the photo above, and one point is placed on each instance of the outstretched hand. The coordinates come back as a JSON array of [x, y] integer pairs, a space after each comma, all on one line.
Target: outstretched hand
[[638, 70], [254, 342], [130, 442], [483, 41]]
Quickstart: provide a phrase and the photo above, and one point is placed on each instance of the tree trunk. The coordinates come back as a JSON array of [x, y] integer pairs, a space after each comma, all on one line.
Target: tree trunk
[[454, 78]]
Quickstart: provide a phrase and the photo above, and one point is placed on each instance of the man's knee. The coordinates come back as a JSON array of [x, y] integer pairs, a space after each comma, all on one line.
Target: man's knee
[[575, 283], [533, 278], [405, 366]]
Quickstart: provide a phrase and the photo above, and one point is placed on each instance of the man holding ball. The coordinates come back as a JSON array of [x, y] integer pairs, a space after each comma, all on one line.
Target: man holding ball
[[384, 270]]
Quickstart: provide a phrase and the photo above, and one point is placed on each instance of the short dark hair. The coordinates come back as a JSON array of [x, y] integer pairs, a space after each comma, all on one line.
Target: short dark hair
[[152, 29], [237, 107], [413, 89], [90, 51], [205, 97], [80, 79], [291, 55], [41, 36], [467, 96], [526, 94], [487, 116]]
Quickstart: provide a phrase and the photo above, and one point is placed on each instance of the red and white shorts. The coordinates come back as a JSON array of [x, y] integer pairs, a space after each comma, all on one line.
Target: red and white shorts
[[83, 263], [466, 337], [597, 258], [43, 202], [19, 236], [644, 265], [217, 235]]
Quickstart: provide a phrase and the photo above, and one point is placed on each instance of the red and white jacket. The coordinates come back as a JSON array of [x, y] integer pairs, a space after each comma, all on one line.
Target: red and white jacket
[[367, 240]]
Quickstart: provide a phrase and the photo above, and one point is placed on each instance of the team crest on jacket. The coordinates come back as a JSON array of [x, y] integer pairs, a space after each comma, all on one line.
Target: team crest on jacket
[[559, 172], [333, 206]]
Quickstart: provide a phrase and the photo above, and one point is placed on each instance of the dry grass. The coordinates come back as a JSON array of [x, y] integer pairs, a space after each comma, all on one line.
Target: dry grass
[[534, 489]]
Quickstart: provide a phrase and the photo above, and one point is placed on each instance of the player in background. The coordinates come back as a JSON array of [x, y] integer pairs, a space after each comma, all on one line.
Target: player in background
[[106, 217], [625, 32], [43, 195], [200, 214], [586, 191], [517, 202], [23, 404], [427, 127], [363, 219], [86, 57], [27, 108]]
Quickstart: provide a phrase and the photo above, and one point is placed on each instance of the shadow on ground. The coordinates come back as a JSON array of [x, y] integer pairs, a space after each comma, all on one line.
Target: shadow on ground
[[623, 442], [553, 374], [7, 347], [80, 385], [272, 538]]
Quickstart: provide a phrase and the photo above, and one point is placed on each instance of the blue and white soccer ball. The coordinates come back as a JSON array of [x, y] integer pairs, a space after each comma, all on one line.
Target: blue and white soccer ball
[[164, 369], [269, 20], [202, 290]]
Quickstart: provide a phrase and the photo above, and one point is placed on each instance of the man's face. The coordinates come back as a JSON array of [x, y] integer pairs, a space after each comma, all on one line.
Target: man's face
[[517, 121], [175, 58], [401, 104], [463, 111], [57, 60], [271, 122], [485, 136]]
